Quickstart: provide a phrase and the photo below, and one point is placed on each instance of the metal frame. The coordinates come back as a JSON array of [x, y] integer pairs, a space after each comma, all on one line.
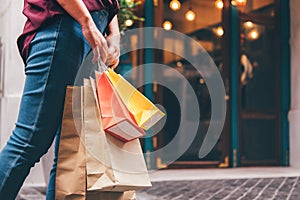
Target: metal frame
[[285, 85], [148, 72], [234, 86]]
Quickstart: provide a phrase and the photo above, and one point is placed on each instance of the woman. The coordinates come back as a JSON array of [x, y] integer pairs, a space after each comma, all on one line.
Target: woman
[[57, 36]]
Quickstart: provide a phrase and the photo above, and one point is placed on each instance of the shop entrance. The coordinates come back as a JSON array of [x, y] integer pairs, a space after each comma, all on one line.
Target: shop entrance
[[252, 133], [243, 40], [259, 85], [207, 29]]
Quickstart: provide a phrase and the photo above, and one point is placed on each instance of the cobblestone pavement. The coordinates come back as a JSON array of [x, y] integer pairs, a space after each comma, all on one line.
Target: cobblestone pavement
[[285, 188]]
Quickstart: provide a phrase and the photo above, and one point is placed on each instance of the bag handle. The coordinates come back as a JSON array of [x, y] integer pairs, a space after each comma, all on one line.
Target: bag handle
[[101, 66]]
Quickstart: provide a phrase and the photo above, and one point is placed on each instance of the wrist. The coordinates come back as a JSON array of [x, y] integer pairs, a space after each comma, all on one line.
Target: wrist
[[113, 30], [85, 21]]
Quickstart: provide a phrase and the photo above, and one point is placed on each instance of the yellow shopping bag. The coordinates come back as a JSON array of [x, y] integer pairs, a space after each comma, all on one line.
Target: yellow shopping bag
[[145, 113]]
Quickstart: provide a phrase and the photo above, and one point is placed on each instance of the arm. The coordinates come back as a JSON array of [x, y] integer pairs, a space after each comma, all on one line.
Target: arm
[[113, 27], [78, 10], [113, 42]]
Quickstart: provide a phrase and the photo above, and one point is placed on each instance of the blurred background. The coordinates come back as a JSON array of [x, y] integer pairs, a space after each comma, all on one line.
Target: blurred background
[[249, 41], [255, 45]]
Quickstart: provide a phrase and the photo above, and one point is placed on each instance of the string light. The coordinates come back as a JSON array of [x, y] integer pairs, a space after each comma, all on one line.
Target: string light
[[219, 31], [219, 4], [239, 3], [128, 22], [190, 15], [254, 34], [175, 5], [167, 25], [248, 24], [179, 64]]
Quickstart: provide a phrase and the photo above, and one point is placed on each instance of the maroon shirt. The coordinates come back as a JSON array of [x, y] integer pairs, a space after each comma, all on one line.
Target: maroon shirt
[[40, 12]]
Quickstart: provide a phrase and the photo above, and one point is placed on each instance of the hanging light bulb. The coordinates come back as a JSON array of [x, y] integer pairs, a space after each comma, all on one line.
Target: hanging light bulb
[[219, 4], [179, 64], [239, 3], [190, 15], [219, 31], [128, 22], [248, 24], [253, 35], [167, 25], [201, 81], [175, 5]]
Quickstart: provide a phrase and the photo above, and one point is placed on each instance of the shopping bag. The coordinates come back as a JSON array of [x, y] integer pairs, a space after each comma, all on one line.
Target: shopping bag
[[145, 113], [116, 118], [71, 165], [111, 164], [71, 172]]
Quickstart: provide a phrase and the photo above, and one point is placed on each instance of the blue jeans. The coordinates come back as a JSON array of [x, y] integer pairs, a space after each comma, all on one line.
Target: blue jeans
[[56, 53]]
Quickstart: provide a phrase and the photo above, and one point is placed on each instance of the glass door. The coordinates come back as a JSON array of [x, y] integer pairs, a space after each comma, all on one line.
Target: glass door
[[259, 84], [242, 38], [207, 29]]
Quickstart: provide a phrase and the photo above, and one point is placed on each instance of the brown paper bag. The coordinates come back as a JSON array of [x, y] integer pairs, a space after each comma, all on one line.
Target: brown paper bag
[[71, 172], [71, 166], [113, 165]]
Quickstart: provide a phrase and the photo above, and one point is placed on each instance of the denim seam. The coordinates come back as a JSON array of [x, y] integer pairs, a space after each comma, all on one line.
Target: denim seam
[[46, 81]]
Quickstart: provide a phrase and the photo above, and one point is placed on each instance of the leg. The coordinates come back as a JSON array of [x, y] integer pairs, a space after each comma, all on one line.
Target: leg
[[40, 107], [51, 185], [55, 56], [100, 18]]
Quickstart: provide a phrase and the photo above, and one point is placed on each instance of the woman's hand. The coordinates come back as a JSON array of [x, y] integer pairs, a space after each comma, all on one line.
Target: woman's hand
[[96, 40], [113, 43], [113, 53], [78, 10]]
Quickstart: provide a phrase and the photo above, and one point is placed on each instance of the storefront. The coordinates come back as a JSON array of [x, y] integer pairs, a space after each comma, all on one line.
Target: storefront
[[249, 124], [248, 41]]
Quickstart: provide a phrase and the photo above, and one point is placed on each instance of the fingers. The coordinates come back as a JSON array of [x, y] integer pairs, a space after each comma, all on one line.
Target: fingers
[[104, 51], [96, 53], [113, 57], [113, 52], [100, 52], [114, 64]]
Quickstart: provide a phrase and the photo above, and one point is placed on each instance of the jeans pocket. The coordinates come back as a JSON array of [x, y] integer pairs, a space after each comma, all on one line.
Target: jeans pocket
[[43, 44]]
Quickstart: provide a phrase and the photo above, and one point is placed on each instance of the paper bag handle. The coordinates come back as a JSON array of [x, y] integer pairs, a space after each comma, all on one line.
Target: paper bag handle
[[101, 66]]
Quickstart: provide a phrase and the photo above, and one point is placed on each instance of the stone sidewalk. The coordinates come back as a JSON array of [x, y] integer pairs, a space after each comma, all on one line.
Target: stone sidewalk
[[231, 189], [252, 183], [277, 183]]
